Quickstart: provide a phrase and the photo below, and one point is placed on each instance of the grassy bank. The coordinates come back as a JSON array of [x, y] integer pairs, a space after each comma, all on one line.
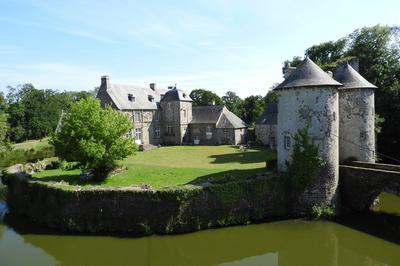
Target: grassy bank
[[176, 165]]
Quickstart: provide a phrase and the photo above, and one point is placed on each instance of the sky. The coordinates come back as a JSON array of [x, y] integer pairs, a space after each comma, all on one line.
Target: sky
[[219, 45]]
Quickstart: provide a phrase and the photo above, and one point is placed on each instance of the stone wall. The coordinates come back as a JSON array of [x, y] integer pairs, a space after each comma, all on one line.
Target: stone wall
[[264, 133], [137, 211], [357, 125]]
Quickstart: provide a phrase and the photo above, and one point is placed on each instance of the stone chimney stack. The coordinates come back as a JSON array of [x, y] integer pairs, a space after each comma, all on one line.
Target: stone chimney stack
[[153, 86], [105, 81], [287, 70]]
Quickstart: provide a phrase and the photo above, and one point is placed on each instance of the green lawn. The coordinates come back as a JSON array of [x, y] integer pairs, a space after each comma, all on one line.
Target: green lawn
[[176, 165], [32, 144]]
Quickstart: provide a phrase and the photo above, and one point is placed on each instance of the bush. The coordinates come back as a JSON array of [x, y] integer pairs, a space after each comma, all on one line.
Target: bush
[[23, 156], [94, 137], [323, 212], [306, 162]]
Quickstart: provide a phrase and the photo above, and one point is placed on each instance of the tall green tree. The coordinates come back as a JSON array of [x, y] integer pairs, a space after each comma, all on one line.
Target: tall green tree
[[253, 107], [94, 137], [378, 50], [34, 113], [205, 97], [4, 144], [233, 102]]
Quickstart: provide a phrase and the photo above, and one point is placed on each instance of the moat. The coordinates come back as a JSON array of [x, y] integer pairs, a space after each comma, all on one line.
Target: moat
[[291, 242]]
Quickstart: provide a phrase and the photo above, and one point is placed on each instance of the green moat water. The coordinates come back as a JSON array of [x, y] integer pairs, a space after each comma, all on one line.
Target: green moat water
[[291, 242]]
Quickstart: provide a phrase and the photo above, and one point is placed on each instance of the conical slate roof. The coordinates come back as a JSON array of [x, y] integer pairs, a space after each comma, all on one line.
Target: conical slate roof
[[351, 79], [308, 74]]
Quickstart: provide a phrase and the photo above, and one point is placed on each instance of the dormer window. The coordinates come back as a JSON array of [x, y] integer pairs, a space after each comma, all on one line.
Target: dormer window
[[184, 95], [150, 97], [131, 98]]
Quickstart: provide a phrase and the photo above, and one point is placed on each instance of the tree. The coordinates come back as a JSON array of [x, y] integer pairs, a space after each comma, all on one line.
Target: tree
[[233, 102], [4, 144], [253, 107], [34, 113], [94, 137], [205, 97], [378, 50]]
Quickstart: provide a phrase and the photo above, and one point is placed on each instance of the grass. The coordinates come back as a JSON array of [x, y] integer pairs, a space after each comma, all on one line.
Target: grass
[[176, 165], [32, 144]]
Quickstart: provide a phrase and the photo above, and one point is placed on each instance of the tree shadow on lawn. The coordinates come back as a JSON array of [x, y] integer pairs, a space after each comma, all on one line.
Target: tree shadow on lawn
[[229, 176], [72, 180], [244, 157]]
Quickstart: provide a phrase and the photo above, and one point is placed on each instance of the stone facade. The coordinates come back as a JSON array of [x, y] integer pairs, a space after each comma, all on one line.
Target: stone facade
[[266, 134], [356, 126]]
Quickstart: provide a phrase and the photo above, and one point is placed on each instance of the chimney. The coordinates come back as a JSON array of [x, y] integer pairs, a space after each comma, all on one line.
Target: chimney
[[153, 86], [287, 70], [105, 81]]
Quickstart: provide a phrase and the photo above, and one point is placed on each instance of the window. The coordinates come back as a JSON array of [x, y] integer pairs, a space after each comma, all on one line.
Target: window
[[170, 130], [131, 98], [157, 133], [208, 132], [286, 142], [272, 142], [157, 116], [138, 133], [129, 134], [168, 105], [184, 113], [136, 117]]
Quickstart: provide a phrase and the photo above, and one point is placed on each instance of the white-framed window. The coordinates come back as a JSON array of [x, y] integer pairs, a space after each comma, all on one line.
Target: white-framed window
[[286, 142], [170, 130], [156, 132], [131, 98], [137, 117], [157, 116], [138, 133]]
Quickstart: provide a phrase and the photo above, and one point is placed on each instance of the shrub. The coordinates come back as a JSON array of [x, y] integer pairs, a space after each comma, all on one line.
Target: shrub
[[306, 162], [323, 212], [94, 137]]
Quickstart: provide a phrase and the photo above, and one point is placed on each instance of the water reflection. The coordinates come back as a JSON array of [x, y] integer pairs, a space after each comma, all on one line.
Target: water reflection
[[294, 242]]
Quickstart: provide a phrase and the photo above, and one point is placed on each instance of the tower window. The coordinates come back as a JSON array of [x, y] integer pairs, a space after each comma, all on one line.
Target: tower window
[[157, 116], [286, 142]]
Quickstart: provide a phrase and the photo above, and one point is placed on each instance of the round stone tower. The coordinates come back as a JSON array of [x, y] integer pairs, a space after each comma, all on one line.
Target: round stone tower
[[309, 96], [356, 116]]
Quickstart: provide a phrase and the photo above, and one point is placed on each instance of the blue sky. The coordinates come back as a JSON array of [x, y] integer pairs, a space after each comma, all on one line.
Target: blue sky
[[219, 45]]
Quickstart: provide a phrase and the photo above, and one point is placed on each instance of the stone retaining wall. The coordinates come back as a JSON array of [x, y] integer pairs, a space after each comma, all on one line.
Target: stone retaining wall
[[137, 211]]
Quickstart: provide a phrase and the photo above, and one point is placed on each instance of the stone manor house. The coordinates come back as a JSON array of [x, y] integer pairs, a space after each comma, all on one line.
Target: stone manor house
[[168, 117]]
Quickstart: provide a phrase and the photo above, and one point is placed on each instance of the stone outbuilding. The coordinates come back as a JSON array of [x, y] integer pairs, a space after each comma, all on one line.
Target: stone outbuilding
[[356, 116], [265, 129]]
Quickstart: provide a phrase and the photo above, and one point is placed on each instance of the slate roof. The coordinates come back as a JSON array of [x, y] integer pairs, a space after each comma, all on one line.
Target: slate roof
[[270, 116], [351, 79], [308, 74], [206, 114], [119, 95], [176, 95], [218, 115]]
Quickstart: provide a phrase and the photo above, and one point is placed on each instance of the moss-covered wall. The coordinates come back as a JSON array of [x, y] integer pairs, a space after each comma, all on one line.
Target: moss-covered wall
[[141, 212]]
